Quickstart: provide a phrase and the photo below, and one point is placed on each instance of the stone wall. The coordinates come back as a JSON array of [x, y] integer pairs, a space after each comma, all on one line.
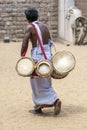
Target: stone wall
[[13, 21], [82, 4]]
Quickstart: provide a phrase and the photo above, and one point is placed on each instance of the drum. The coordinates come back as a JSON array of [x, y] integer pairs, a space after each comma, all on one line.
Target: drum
[[44, 68], [25, 66], [63, 63]]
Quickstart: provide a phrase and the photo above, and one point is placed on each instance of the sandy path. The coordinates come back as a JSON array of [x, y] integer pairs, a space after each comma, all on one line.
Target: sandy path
[[16, 101]]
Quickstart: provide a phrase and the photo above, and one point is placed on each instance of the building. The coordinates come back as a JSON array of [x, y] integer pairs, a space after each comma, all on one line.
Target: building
[[13, 21]]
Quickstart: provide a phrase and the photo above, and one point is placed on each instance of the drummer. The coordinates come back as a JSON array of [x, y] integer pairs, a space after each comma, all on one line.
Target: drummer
[[43, 94]]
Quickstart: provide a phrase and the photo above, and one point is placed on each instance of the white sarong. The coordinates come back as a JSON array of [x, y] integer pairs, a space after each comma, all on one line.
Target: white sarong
[[42, 91]]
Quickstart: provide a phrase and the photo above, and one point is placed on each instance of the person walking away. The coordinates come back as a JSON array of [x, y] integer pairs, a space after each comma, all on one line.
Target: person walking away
[[43, 94]]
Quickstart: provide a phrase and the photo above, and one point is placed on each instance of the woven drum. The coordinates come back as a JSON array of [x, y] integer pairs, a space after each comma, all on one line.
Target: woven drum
[[63, 63], [44, 68], [25, 66]]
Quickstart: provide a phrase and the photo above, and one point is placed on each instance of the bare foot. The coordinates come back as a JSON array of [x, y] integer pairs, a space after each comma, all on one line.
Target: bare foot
[[39, 111], [57, 107]]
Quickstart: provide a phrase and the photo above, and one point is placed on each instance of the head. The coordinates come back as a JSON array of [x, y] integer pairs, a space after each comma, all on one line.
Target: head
[[31, 14]]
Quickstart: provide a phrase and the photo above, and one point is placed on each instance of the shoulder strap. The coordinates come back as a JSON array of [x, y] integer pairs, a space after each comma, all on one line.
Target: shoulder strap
[[39, 41]]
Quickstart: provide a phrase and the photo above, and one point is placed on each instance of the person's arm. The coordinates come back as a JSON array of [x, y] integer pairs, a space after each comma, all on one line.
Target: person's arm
[[25, 41]]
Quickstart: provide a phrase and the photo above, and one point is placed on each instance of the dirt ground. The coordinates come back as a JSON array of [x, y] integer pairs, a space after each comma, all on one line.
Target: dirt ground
[[16, 100]]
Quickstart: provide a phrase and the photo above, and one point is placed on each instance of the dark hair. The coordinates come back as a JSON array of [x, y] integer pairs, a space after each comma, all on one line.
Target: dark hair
[[31, 14]]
